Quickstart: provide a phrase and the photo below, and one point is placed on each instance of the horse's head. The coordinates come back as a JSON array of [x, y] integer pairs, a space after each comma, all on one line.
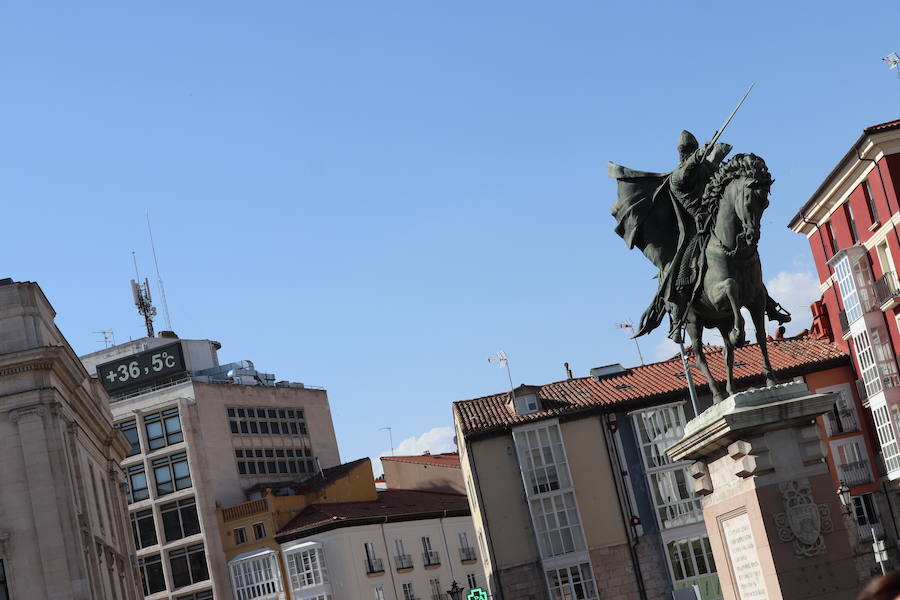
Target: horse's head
[[744, 182]]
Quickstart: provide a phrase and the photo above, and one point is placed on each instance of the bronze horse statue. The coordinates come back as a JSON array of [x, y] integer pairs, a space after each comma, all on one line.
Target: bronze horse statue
[[738, 193], [704, 242]]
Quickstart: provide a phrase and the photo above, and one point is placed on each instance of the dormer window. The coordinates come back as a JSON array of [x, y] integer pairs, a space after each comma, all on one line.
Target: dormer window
[[527, 404]]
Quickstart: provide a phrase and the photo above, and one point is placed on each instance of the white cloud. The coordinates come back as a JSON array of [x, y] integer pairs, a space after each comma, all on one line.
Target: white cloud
[[435, 440], [665, 349], [795, 291]]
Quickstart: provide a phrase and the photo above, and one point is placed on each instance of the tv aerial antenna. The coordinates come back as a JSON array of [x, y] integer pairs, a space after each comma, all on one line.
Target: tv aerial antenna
[[627, 324], [142, 299], [893, 60], [109, 337]]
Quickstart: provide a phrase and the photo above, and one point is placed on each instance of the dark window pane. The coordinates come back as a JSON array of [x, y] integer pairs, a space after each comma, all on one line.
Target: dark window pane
[[230, 412], [294, 428], [271, 465], [146, 530], [242, 467], [282, 466], [189, 520], [270, 453], [275, 428], [171, 525], [198, 566], [155, 435], [253, 427], [240, 412], [251, 468], [263, 427], [244, 427], [273, 414], [181, 576], [233, 425]]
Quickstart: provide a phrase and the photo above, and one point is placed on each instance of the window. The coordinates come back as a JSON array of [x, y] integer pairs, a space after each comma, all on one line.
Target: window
[[240, 536], [306, 568], [137, 484], [542, 460], [831, 239], [885, 432], [379, 592], [4, 588], [266, 421], [471, 581], [429, 556], [171, 473], [205, 595], [289, 460], [842, 417], [674, 499], [180, 519], [188, 565], [864, 510], [690, 558], [435, 585], [870, 201], [527, 404], [163, 429], [408, 593], [572, 583], [129, 428], [556, 524], [143, 529], [152, 579], [657, 430], [259, 531], [848, 212], [466, 552], [256, 577]]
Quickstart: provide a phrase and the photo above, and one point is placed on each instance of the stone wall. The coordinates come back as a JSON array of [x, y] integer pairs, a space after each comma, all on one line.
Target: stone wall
[[523, 582], [614, 573]]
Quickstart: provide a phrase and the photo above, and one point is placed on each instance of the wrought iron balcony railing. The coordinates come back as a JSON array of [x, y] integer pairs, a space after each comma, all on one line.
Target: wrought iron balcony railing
[[467, 554], [887, 291], [403, 561], [431, 558], [856, 473], [373, 565]]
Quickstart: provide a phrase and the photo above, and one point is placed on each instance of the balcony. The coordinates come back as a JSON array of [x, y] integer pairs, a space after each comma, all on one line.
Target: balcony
[[887, 291], [865, 532], [431, 558], [855, 473], [374, 566], [467, 554], [403, 562], [845, 323]]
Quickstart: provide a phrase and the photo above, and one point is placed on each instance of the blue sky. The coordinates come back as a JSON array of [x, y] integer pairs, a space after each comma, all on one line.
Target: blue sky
[[376, 196]]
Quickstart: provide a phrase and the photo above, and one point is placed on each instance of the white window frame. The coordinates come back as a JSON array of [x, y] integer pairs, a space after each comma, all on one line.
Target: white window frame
[[307, 567], [577, 584], [886, 438], [688, 542], [658, 440], [256, 575], [542, 474], [408, 593], [557, 524]]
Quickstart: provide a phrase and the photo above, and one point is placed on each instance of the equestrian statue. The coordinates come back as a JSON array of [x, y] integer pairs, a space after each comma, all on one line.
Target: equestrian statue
[[700, 225]]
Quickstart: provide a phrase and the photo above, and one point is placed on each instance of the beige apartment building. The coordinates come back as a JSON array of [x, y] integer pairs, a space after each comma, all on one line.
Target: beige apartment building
[[63, 518], [428, 472], [200, 434]]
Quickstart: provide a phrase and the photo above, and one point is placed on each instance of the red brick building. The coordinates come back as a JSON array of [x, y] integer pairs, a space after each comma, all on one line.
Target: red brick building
[[851, 224]]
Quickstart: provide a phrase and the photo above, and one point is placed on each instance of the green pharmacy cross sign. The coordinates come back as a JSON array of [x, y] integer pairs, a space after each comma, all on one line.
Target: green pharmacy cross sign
[[477, 594]]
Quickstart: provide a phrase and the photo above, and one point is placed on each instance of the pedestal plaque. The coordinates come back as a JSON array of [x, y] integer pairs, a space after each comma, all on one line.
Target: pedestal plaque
[[743, 558]]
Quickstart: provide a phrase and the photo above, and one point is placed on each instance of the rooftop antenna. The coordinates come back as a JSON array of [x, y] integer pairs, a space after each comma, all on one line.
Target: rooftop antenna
[[159, 281], [109, 338], [390, 436], [627, 324], [142, 299], [502, 361], [893, 60]]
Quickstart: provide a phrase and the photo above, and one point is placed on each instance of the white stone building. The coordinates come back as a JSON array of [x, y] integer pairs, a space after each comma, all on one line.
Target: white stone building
[[406, 545], [63, 528], [200, 434]]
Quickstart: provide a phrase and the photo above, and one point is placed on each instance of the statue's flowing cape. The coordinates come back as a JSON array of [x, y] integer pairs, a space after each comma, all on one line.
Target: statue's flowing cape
[[647, 216]]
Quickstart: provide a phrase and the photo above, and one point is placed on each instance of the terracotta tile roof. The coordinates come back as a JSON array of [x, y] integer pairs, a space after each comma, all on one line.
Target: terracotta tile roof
[[882, 126], [392, 505], [446, 459], [645, 383]]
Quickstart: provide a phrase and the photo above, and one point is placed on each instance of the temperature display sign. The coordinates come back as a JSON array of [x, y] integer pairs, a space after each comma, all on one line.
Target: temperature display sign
[[143, 368]]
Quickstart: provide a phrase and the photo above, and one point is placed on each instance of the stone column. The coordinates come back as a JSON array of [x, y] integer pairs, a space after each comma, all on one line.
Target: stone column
[[773, 519]]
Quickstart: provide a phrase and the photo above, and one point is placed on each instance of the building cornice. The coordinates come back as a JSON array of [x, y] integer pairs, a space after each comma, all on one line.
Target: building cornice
[[375, 520]]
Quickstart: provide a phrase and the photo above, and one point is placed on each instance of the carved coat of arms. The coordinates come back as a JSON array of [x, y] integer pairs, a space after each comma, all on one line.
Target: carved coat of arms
[[803, 521]]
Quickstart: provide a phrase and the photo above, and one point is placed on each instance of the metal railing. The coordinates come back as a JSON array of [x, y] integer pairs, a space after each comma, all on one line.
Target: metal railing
[[856, 473], [865, 531], [431, 558], [845, 324], [403, 561], [886, 288], [373, 565], [467, 554], [681, 512]]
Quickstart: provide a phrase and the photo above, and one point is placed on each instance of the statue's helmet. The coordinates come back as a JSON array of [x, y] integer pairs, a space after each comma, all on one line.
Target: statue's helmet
[[687, 144]]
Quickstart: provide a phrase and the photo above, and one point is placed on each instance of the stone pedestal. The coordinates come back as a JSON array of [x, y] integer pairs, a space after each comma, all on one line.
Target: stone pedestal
[[774, 520]]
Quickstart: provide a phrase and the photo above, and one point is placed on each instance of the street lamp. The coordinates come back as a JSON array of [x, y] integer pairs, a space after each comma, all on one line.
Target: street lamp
[[843, 493], [455, 592]]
